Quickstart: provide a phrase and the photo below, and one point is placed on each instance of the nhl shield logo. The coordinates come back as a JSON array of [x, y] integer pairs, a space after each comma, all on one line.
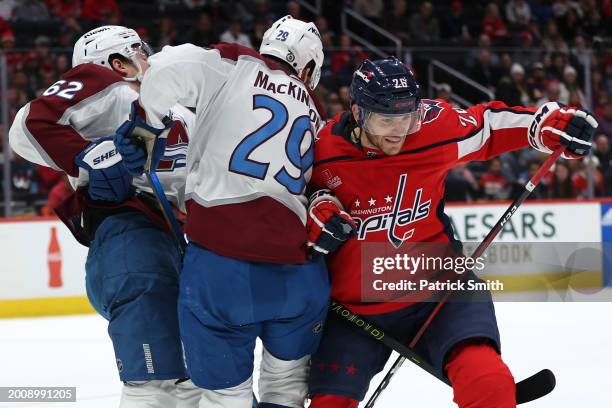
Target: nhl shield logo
[[119, 365], [316, 329]]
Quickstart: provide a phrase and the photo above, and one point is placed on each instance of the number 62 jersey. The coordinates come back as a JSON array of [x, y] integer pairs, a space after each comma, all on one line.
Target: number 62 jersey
[[251, 150], [89, 102]]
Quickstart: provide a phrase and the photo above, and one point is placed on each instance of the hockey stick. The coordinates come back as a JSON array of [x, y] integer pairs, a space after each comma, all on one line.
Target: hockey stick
[[527, 390], [535, 386], [149, 140]]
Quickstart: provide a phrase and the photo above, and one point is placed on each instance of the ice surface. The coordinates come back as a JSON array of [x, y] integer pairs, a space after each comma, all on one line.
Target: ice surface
[[572, 339]]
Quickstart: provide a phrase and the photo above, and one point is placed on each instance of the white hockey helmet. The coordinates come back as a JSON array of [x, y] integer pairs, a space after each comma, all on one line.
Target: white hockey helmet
[[297, 43], [97, 45]]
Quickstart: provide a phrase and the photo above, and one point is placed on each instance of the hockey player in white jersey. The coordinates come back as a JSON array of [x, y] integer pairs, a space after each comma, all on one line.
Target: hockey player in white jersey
[[246, 273], [132, 264]]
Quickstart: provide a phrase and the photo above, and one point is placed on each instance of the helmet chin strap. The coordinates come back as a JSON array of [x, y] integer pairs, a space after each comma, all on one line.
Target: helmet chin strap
[[139, 74]]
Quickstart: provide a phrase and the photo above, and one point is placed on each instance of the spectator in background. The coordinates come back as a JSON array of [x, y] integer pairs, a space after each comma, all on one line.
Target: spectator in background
[[57, 195], [47, 178], [63, 9], [570, 85], [444, 92], [605, 121], [31, 11], [525, 54], [513, 90], [580, 178], [561, 182], [166, 33], [551, 32], [518, 14], [559, 62], [541, 190], [553, 93], [569, 24], [259, 28], [7, 9], [536, 82], [371, 9], [101, 11], [344, 97], [202, 34], [398, 21], [294, 10], [24, 179], [594, 26], [493, 185], [484, 71], [460, 184], [493, 25], [342, 62], [455, 25], [234, 34], [263, 14], [579, 52], [484, 43], [424, 25], [602, 152]]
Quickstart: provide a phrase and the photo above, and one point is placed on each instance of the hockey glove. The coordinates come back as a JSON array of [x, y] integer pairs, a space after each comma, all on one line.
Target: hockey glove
[[109, 179], [135, 138], [554, 125], [328, 225]]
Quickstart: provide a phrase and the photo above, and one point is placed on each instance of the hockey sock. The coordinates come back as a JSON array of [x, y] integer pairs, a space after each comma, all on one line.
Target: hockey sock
[[480, 377], [333, 401]]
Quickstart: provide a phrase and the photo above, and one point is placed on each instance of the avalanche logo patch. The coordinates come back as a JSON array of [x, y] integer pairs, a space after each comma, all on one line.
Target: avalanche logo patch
[[433, 109]]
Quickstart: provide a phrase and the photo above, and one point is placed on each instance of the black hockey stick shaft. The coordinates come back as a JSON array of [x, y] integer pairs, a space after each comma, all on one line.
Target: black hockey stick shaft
[[528, 389], [525, 393]]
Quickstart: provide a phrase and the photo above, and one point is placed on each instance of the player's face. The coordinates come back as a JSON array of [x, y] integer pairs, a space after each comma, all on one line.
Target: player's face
[[388, 132]]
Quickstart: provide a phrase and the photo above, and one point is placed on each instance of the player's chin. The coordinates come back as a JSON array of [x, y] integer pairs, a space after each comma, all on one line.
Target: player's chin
[[392, 144]]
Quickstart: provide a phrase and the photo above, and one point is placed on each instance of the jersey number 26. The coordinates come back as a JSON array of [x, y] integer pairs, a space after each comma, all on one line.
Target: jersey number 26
[[241, 163]]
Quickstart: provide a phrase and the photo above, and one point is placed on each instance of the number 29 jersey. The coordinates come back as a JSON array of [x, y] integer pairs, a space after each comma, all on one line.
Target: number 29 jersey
[[251, 151]]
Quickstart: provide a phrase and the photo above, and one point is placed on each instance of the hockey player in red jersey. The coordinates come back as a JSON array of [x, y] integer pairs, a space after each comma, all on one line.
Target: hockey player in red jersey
[[379, 174]]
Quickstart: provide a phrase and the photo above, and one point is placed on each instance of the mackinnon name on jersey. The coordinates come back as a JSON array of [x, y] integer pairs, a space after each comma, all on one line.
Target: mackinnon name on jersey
[[292, 89]]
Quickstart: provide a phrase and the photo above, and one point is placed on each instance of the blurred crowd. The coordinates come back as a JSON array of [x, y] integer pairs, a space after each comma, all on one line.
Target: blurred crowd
[[525, 52]]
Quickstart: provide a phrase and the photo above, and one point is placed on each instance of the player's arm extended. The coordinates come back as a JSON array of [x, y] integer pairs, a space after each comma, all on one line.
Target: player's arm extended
[[490, 129], [494, 128]]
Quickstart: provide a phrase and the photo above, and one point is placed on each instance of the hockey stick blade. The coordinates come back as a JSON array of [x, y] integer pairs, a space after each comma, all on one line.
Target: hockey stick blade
[[536, 386]]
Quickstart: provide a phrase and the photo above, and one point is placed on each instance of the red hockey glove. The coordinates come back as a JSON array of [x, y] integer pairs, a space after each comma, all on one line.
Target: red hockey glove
[[555, 125], [328, 225]]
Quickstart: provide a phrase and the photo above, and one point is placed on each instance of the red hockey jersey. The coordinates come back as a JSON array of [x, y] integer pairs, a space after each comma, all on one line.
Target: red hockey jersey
[[396, 199]]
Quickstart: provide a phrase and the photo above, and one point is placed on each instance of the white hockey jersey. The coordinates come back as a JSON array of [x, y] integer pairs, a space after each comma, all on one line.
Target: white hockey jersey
[[87, 103], [251, 150]]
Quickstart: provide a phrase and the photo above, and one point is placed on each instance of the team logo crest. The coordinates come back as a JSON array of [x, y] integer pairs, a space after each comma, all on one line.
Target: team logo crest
[[432, 110], [397, 221]]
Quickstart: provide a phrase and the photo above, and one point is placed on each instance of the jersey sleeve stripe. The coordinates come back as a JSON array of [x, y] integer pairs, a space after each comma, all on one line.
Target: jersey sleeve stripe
[[493, 120], [34, 143]]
